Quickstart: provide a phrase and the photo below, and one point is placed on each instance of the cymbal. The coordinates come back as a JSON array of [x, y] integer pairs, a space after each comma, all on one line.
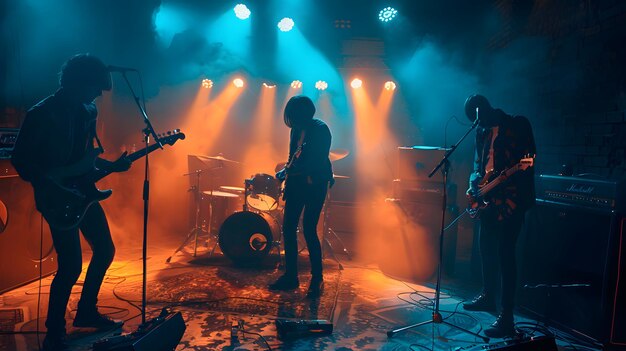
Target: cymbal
[[215, 158], [338, 154], [219, 193], [232, 189], [337, 176]]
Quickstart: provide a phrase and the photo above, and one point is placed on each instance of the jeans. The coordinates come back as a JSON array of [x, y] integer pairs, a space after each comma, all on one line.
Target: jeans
[[95, 229], [310, 198]]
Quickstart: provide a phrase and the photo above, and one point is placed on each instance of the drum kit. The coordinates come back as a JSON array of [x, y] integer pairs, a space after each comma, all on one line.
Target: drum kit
[[247, 236]]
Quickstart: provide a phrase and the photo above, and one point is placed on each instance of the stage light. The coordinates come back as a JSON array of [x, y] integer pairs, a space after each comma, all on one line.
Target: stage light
[[242, 11], [269, 85], [321, 85], [389, 85], [285, 24], [387, 14], [356, 83], [238, 82], [207, 83], [296, 84]]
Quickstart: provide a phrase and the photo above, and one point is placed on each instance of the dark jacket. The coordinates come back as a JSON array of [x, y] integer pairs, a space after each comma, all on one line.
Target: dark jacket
[[514, 141], [313, 161], [56, 132]]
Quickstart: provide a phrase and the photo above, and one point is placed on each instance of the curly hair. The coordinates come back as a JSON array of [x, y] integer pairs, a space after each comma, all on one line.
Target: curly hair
[[83, 70]]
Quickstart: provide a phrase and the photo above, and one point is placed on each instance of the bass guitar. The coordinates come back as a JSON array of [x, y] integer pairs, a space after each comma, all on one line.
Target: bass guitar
[[69, 191], [490, 181]]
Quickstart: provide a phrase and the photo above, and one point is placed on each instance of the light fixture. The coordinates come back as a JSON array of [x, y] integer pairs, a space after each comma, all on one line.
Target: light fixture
[[321, 85], [238, 82], [387, 14], [242, 11], [285, 24], [207, 83], [296, 84], [389, 85], [356, 83], [269, 85]]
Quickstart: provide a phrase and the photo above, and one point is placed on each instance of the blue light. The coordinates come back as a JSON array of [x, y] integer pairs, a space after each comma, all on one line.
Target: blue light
[[387, 14], [285, 24], [242, 11]]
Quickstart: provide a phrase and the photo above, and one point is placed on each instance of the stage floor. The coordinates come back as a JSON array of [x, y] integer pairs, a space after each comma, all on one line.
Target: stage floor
[[211, 293]]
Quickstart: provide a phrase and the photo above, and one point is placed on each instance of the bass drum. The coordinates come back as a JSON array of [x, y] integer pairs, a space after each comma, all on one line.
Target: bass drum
[[247, 237]]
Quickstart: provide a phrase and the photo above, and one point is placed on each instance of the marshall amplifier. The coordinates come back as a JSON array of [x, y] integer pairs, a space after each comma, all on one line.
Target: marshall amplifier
[[608, 195]]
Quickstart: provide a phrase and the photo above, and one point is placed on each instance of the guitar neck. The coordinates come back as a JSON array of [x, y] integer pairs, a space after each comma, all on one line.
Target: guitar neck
[[101, 173], [499, 180]]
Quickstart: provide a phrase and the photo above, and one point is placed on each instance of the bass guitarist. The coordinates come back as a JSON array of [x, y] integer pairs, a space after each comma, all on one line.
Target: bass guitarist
[[501, 141], [308, 175], [56, 135]]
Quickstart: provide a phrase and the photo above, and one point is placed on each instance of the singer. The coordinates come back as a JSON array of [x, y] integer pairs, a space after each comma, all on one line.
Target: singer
[[501, 141], [308, 173], [58, 133]]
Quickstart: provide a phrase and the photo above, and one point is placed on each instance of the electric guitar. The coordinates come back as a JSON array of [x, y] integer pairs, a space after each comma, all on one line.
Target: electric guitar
[[491, 181], [70, 190]]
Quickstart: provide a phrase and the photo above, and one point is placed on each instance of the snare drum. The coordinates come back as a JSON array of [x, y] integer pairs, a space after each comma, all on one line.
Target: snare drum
[[263, 192]]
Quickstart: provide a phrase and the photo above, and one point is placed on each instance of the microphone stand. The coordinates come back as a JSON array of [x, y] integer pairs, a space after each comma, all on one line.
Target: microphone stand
[[444, 165], [147, 132]]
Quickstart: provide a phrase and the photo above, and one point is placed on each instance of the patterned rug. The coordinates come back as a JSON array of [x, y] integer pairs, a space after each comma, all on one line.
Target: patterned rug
[[216, 285]]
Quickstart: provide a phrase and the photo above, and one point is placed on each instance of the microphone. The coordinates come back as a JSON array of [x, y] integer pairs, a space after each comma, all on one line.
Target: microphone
[[476, 120], [121, 69]]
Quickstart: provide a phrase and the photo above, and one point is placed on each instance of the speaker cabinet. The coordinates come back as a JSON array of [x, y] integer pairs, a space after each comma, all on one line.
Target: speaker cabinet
[[25, 241], [570, 268], [412, 244]]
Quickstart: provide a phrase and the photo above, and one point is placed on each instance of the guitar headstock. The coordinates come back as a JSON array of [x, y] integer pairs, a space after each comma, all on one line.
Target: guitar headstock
[[171, 137]]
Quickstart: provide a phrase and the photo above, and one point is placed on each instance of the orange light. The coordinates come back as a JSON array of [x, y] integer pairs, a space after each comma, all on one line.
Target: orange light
[[296, 84], [356, 83], [238, 82], [207, 83], [321, 85], [389, 85]]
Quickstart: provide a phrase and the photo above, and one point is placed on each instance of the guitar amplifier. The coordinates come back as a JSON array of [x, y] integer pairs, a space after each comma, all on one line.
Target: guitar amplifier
[[608, 195], [22, 231], [572, 269], [416, 162]]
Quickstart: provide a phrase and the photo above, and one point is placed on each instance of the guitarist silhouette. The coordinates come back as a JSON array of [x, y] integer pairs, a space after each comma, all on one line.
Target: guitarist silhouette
[[58, 141], [502, 189], [307, 176]]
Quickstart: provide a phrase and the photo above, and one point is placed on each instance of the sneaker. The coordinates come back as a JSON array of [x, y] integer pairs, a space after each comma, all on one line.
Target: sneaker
[[94, 319], [55, 342], [285, 283], [481, 302], [315, 288], [503, 327]]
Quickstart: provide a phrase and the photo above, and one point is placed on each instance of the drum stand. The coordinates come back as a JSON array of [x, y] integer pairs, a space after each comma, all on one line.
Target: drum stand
[[197, 229]]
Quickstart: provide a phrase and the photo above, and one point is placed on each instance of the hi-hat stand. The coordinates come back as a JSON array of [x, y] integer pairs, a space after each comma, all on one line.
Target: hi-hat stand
[[198, 229], [444, 165]]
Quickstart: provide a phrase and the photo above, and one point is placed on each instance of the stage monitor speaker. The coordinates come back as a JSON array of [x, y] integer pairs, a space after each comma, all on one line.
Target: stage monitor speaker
[[571, 270], [21, 230]]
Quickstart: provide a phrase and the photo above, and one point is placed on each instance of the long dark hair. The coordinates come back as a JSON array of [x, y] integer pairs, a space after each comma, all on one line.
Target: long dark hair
[[299, 110]]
